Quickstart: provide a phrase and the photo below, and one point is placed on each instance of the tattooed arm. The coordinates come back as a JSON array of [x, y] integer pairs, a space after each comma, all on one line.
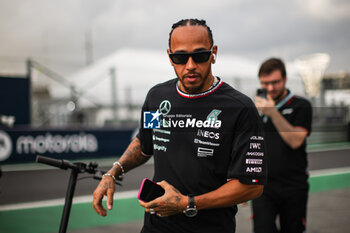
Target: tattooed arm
[[131, 158]]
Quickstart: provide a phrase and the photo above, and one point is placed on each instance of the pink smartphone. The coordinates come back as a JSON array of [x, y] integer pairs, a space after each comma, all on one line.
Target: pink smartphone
[[149, 190]]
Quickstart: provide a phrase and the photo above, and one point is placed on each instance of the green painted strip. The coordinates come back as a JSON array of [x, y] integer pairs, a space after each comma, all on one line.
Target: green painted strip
[[329, 182], [314, 147], [124, 211], [47, 219]]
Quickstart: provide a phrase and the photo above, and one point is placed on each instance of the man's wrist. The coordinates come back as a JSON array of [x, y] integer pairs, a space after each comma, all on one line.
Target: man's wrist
[[122, 171], [191, 209], [270, 112], [109, 175], [184, 203], [117, 170], [273, 113]]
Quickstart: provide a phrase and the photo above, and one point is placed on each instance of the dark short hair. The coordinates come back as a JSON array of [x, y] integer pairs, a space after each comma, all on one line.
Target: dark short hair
[[191, 22], [271, 65]]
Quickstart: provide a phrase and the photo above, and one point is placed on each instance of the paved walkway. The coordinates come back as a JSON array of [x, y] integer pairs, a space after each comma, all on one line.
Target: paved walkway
[[328, 212], [328, 205]]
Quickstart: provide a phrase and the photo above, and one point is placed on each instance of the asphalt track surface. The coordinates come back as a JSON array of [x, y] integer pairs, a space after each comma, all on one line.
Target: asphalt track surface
[[35, 185], [328, 212], [21, 186]]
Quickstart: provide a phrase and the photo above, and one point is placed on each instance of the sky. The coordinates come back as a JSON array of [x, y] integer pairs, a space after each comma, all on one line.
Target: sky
[[54, 32]]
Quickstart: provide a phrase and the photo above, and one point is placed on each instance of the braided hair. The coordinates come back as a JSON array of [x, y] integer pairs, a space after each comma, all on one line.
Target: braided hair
[[192, 22]]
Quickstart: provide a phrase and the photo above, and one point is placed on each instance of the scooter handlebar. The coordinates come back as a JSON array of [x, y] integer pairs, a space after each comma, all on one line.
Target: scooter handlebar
[[60, 163], [82, 167]]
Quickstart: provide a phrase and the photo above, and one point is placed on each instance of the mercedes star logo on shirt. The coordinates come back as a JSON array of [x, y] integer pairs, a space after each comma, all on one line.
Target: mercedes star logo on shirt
[[164, 107]]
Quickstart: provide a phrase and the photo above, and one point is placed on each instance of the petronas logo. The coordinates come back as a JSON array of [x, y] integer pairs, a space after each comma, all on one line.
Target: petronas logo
[[213, 115]]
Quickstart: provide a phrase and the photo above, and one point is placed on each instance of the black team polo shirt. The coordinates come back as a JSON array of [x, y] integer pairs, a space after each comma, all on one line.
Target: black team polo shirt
[[288, 167], [203, 141]]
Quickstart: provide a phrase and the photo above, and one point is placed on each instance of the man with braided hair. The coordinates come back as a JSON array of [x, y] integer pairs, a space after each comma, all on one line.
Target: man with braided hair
[[206, 140]]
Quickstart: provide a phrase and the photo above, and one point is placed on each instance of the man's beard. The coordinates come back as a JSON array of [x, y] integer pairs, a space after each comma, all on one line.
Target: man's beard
[[278, 98], [194, 90]]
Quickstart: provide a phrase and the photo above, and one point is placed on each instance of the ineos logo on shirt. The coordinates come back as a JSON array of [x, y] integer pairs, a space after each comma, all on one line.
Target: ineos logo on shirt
[[164, 107], [208, 134], [5, 146]]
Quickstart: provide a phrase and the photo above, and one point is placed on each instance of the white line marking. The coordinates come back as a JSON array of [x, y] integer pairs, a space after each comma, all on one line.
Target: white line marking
[[60, 201], [133, 193], [330, 171]]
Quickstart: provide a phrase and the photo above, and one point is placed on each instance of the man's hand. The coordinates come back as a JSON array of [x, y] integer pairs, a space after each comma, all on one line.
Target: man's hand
[[172, 202], [105, 187], [292, 135], [265, 106]]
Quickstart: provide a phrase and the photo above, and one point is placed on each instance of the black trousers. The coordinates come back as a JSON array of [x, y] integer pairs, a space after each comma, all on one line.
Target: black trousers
[[289, 207]]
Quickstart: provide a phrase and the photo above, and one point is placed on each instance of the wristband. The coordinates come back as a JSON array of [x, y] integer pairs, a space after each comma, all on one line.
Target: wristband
[[107, 174], [121, 168]]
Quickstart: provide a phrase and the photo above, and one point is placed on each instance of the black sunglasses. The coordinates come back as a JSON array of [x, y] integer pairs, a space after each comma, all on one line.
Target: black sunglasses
[[198, 57]]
